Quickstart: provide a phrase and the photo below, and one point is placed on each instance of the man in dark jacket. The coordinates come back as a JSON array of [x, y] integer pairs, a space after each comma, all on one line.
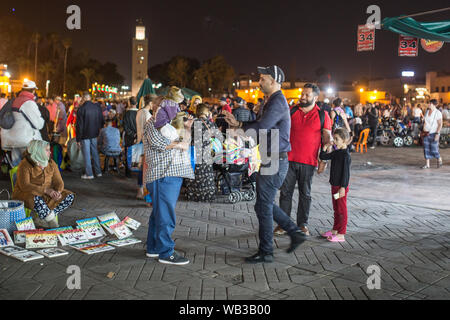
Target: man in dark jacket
[[89, 123], [276, 121], [45, 114], [130, 130]]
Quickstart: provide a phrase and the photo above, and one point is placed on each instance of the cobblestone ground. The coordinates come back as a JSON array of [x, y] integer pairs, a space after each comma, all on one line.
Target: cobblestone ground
[[408, 241]]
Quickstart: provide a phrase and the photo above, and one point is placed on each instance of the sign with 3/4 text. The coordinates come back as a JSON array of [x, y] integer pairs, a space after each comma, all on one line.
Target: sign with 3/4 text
[[366, 38], [408, 46]]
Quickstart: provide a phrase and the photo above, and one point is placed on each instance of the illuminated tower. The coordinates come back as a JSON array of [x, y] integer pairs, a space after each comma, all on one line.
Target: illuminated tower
[[140, 58]]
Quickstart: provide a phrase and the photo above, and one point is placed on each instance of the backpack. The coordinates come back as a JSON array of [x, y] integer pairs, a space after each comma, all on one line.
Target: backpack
[[6, 115], [321, 116], [7, 118]]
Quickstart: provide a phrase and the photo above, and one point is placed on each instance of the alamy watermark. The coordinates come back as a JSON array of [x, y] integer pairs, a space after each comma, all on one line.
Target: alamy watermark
[[374, 20], [238, 145], [374, 279], [74, 280], [73, 22]]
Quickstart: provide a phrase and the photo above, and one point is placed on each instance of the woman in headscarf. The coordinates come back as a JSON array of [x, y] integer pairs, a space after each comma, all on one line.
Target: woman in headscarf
[[203, 188], [40, 186], [195, 101]]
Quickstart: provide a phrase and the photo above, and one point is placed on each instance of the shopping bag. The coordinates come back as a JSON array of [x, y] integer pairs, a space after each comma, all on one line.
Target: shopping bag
[[134, 157]]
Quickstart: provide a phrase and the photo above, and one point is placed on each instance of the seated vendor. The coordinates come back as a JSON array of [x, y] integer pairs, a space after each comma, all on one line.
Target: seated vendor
[[40, 186]]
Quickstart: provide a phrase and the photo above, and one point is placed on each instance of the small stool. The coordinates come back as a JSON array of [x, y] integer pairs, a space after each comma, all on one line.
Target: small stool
[[116, 158]]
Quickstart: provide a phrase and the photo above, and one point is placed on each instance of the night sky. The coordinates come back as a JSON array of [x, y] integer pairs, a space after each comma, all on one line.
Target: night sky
[[299, 36]]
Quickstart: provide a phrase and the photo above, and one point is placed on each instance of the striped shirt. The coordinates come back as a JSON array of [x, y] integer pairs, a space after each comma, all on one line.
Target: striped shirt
[[160, 162]]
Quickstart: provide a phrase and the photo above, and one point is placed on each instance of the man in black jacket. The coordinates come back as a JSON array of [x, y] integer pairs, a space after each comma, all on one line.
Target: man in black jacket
[[89, 123], [130, 130], [45, 114]]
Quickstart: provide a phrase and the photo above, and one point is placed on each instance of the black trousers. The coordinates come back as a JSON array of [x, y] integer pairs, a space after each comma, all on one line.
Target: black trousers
[[302, 174], [373, 134]]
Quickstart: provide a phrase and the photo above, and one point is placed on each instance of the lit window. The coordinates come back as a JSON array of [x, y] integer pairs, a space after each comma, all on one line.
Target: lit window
[[140, 48]]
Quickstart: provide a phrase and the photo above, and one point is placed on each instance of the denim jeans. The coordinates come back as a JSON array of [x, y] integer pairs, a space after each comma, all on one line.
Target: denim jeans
[[302, 174], [89, 148], [164, 193], [267, 211]]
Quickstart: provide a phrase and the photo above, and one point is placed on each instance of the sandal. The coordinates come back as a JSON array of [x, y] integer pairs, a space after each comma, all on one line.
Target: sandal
[[335, 239], [327, 234]]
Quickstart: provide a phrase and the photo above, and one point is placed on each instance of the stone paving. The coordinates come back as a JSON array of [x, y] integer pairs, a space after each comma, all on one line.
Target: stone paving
[[408, 242]]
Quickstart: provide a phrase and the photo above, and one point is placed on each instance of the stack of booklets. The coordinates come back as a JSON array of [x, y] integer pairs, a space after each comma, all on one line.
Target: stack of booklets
[[25, 224], [92, 247], [124, 242]]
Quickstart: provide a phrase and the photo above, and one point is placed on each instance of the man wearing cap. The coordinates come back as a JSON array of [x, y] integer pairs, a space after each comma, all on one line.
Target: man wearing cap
[[275, 118], [241, 113], [28, 122]]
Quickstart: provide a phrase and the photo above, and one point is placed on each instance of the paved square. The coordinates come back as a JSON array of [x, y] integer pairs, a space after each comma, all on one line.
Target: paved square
[[399, 218]]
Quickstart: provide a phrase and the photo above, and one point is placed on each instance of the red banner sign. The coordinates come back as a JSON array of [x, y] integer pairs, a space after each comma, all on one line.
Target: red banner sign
[[366, 38], [408, 46]]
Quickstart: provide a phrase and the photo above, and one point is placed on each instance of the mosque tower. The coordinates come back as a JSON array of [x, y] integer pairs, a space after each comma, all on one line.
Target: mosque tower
[[140, 58]]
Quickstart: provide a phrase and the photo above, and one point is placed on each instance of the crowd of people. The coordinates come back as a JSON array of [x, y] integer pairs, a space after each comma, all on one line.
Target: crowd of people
[[176, 158]]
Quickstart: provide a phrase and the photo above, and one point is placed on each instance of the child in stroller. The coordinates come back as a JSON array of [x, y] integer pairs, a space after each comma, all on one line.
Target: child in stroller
[[236, 168]]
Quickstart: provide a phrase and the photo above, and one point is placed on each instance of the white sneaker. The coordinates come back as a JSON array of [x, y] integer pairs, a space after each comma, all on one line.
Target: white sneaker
[[99, 175], [86, 177]]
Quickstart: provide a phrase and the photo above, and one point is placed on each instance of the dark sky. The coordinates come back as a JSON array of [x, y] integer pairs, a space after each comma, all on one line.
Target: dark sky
[[299, 36]]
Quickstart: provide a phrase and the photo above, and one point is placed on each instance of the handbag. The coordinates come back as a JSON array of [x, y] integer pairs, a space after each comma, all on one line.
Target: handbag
[[134, 157]]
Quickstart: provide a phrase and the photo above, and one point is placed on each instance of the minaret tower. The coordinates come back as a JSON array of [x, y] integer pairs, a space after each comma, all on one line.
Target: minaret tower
[[140, 58]]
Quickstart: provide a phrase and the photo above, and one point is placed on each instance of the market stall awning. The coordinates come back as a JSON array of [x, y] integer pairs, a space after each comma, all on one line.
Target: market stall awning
[[436, 31], [146, 88]]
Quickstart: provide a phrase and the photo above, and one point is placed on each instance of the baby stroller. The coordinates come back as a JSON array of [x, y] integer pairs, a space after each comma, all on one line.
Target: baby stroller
[[236, 169], [233, 180]]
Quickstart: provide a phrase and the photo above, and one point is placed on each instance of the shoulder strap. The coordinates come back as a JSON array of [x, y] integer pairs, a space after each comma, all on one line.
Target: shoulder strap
[[322, 119], [294, 110]]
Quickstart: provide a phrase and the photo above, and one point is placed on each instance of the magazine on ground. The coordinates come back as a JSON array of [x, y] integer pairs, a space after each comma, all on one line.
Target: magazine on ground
[[131, 223], [93, 230], [85, 244], [7, 251], [74, 236], [27, 256], [87, 221], [5, 238], [53, 252], [124, 242], [25, 224], [20, 236], [41, 239], [121, 230], [92, 247], [108, 223], [61, 229], [109, 216]]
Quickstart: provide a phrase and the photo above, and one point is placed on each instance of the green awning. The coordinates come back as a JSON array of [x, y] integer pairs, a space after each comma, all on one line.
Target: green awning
[[146, 88], [435, 31]]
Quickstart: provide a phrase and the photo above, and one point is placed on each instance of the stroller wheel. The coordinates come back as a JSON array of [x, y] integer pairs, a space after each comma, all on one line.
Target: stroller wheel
[[408, 140], [250, 195], [398, 142], [234, 197]]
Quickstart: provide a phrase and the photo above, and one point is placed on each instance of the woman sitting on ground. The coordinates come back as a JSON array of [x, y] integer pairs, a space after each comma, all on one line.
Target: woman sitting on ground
[[40, 186]]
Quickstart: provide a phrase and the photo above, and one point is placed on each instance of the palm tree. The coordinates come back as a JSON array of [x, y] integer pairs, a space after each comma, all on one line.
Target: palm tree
[[67, 43], [24, 65], [46, 69], [54, 39], [36, 38], [88, 73]]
